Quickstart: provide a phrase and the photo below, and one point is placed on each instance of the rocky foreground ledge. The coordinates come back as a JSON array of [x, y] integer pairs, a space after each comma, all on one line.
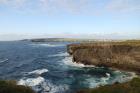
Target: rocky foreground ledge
[[124, 55], [10, 86]]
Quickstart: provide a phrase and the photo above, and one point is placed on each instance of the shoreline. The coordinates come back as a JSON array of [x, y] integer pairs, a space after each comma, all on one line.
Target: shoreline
[[126, 87], [122, 56]]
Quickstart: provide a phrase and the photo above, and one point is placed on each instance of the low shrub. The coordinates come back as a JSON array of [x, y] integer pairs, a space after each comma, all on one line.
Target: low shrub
[[10, 86]]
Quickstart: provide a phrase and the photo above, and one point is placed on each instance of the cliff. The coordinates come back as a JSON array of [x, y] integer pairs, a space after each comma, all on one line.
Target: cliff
[[123, 55]]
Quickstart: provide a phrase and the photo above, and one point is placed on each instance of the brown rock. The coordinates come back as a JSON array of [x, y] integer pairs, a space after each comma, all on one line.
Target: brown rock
[[122, 55]]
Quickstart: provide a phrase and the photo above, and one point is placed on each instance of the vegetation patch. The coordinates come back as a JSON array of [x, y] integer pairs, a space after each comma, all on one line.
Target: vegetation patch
[[11, 86]]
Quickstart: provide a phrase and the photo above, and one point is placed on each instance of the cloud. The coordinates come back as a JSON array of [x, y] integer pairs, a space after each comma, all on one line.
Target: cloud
[[124, 5], [75, 6], [107, 36], [13, 3], [72, 6]]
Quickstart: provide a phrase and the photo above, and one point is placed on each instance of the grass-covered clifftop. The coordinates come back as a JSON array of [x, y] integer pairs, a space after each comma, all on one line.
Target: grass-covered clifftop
[[132, 86], [123, 55], [11, 87]]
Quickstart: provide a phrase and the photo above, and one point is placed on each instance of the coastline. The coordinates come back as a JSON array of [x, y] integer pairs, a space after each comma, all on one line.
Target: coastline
[[124, 56]]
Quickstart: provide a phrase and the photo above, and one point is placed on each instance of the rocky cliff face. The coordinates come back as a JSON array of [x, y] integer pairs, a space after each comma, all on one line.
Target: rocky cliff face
[[121, 55]]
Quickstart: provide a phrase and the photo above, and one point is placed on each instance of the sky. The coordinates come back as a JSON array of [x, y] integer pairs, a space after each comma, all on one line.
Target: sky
[[94, 19]]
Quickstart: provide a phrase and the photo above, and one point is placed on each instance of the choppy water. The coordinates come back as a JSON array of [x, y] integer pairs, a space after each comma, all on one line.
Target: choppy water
[[47, 68]]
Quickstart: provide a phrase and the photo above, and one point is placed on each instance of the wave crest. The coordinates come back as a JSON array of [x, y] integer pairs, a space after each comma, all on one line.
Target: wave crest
[[31, 81], [59, 54], [41, 85], [38, 72], [68, 61], [48, 45]]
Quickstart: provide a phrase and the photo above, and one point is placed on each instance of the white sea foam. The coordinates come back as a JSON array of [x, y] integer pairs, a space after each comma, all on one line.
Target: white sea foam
[[4, 60], [92, 82], [105, 79], [107, 74], [48, 45], [51, 88], [68, 61], [121, 77], [45, 86], [95, 82], [59, 54], [31, 81], [124, 77], [38, 71]]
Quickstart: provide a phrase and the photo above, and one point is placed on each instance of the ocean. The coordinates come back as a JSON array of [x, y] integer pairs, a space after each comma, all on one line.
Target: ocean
[[48, 68]]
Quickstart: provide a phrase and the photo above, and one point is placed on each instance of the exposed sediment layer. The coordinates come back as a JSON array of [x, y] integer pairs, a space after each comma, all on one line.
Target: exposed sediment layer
[[121, 55]]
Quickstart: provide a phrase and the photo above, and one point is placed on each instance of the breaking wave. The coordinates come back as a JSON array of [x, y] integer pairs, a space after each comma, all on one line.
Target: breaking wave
[[122, 76], [47, 45], [108, 79], [68, 61], [96, 82], [31, 81], [59, 54], [38, 71], [3, 60], [39, 84]]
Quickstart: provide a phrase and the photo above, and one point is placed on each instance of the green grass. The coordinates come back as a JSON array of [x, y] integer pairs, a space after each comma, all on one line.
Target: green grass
[[130, 87], [11, 87]]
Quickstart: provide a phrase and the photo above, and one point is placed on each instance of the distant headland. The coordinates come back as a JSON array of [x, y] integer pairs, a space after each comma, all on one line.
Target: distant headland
[[69, 40]]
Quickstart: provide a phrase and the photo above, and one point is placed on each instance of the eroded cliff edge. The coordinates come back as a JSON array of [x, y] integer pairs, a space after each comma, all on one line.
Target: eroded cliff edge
[[124, 55]]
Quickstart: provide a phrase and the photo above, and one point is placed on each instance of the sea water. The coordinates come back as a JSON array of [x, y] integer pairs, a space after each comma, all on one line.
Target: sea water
[[48, 68]]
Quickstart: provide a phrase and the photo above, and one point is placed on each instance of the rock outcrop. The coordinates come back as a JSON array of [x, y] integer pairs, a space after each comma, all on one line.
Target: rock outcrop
[[121, 55]]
